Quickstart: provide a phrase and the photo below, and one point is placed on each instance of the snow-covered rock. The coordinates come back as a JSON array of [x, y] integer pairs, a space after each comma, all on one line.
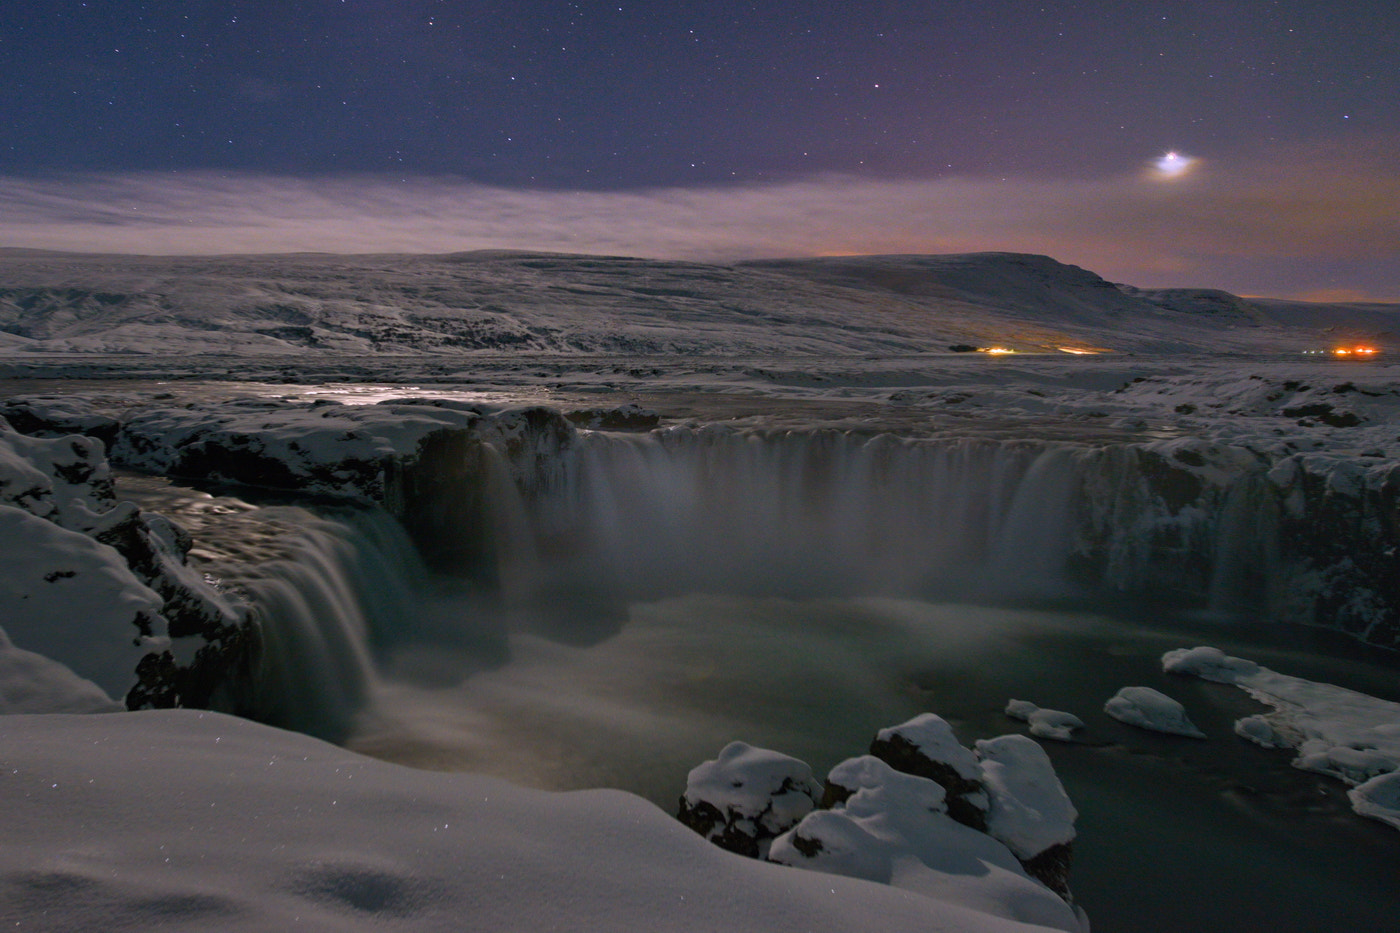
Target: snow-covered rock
[[318, 447], [926, 746], [58, 416], [893, 828], [76, 602], [66, 480], [1150, 709], [1208, 664], [1030, 811], [1260, 731], [628, 417], [747, 796], [1045, 723]]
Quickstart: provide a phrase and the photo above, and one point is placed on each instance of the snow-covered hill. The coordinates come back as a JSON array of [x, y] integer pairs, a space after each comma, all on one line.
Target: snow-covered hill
[[545, 303]]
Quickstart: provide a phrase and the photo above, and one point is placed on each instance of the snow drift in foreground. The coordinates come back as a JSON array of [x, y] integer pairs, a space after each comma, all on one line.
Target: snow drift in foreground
[[1337, 732], [200, 821]]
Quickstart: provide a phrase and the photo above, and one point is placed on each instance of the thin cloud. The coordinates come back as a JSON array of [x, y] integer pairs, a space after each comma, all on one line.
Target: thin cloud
[[1200, 229]]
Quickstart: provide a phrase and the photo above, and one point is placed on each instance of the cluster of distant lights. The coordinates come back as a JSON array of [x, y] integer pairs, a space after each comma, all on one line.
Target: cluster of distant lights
[[1077, 351], [1359, 352]]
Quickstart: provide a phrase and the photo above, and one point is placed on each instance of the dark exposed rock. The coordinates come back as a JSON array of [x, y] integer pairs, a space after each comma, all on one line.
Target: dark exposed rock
[[630, 417], [966, 797], [441, 496], [746, 797], [1052, 868], [53, 416]]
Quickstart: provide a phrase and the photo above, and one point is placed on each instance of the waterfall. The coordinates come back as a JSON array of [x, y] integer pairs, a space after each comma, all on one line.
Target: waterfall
[[564, 540], [343, 591], [797, 513]]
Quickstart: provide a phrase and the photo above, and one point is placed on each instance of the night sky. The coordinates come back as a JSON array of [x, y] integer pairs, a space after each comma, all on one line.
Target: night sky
[[716, 129]]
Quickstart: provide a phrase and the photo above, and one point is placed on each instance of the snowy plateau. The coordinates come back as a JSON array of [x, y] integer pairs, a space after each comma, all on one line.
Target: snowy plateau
[[418, 592]]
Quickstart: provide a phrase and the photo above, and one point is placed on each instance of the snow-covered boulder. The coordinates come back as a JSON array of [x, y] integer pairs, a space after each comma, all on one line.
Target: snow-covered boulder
[[892, 828], [1030, 812], [747, 796], [926, 746], [1260, 731], [1045, 723], [1150, 709]]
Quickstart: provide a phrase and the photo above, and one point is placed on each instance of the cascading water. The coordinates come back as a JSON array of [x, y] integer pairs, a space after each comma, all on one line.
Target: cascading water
[[800, 514], [334, 599]]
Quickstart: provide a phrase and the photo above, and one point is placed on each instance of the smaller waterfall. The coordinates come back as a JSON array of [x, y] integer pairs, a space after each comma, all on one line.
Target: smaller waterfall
[[344, 591]]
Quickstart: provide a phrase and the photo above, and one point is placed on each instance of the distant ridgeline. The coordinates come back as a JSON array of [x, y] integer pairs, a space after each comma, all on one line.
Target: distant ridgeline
[[534, 510], [309, 305]]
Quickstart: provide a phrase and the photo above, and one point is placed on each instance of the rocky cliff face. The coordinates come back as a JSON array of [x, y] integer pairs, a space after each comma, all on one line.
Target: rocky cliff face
[[1300, 538]]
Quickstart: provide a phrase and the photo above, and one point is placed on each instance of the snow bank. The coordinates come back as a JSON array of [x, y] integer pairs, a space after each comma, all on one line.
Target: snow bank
[[1149, 709], [1337, 732], [74, 601], [203, 822], [32, 683]]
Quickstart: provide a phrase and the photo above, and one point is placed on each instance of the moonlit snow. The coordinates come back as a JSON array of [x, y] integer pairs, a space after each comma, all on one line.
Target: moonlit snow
[[710, 507]]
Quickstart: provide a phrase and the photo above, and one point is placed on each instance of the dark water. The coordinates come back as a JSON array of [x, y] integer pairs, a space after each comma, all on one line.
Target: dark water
[[1175, 833]]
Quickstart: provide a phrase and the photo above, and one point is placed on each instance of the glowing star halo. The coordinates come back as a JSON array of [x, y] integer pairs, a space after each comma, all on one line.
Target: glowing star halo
[[1172, 165]]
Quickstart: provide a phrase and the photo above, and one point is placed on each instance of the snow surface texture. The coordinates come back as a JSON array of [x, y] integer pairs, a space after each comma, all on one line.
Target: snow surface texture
[[1337, 732], [1045, 723], [200, 821], [1150, 709]]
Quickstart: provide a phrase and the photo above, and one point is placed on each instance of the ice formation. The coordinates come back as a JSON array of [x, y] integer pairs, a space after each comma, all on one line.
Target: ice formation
[[1151, 709], [1337, 732], [1045, 723]]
